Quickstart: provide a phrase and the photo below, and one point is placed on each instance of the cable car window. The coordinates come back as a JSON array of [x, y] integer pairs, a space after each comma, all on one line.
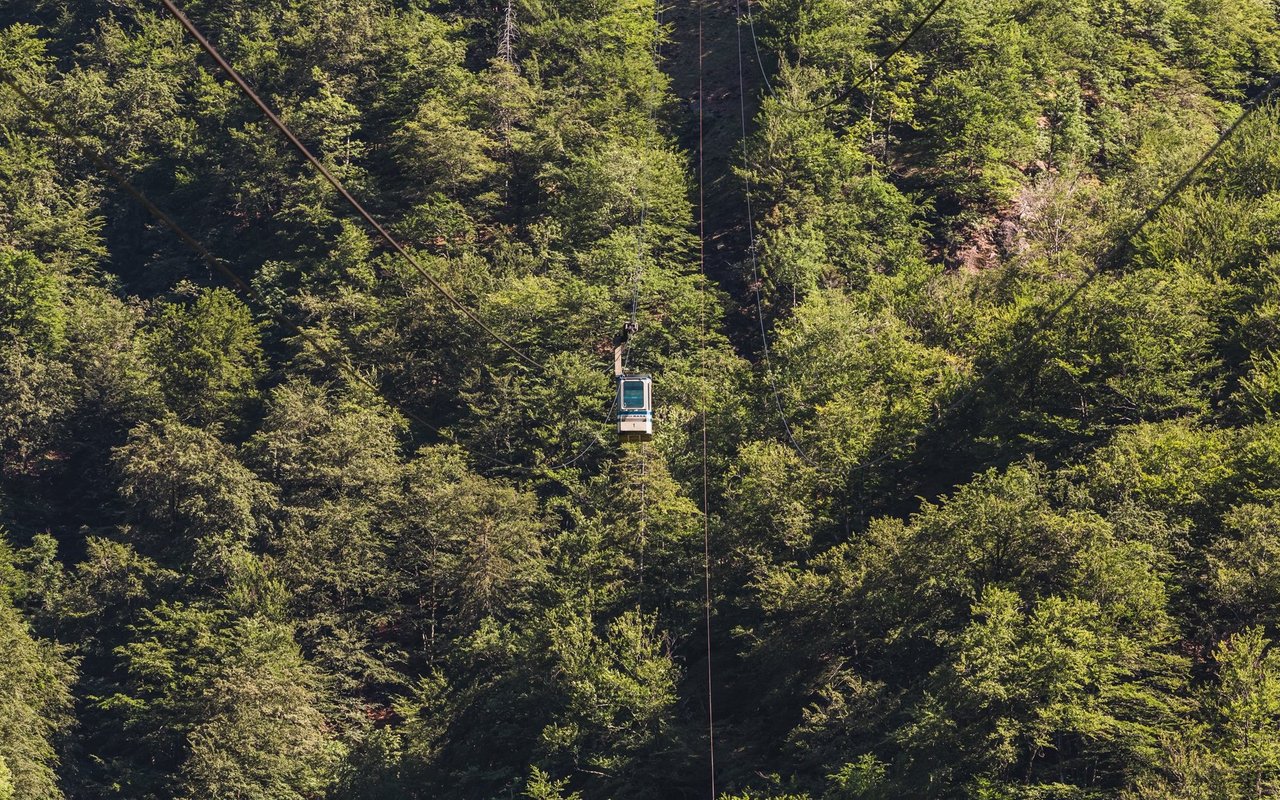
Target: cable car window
[[633, 395]]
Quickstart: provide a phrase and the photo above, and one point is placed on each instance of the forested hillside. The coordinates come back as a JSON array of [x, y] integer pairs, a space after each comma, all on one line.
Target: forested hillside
[[966, 475]]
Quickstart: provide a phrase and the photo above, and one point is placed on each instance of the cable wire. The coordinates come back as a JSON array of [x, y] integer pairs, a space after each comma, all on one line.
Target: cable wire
[[706, 520], [1108, 260], [752, 250], [637, 274], [284, 129], [755, 43]]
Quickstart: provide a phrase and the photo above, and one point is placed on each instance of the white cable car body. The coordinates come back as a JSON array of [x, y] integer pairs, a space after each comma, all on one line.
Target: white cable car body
[[635, 408]]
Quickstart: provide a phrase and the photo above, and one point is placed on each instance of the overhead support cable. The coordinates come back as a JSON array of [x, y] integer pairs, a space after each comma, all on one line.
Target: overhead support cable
[[752, 250], [337, 184], [643, 246], [755, 44], [706, 494], [707, 525]]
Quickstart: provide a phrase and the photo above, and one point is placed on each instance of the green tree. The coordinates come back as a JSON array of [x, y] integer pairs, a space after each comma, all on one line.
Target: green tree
[[1246, 711], [1244, 565], [618, 687], [35, 700], [225, 706], [336, 467], [466, 548], [195, 504], [36, 398], [857, 382], [208, 357], [261, 734], [31, 308]]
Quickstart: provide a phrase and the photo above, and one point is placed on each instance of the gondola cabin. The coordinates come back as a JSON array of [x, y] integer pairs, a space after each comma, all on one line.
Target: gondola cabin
[[635, 408]]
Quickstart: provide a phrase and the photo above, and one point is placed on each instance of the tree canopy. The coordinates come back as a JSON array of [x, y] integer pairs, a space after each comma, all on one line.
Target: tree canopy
[[958, 489]]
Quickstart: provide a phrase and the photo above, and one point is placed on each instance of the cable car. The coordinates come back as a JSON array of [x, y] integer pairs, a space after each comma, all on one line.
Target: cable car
[[635, 408]]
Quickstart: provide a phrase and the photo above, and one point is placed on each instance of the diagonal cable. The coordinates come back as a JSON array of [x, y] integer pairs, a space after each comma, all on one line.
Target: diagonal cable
[[706, 492]]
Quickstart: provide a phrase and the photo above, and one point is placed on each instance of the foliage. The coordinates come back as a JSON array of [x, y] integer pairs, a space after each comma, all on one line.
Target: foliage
[[992, 510], [35, 700]]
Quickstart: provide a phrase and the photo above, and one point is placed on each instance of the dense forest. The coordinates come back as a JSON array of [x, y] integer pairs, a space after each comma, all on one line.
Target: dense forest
[[966, 474]]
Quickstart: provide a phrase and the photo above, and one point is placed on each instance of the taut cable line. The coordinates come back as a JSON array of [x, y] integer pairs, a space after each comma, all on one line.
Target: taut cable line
[[1109, 260], [333, 181], [706, 494], [752, 251]]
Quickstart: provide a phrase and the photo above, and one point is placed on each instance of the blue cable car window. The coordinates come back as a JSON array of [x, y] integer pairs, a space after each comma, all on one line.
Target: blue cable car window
[[633, 395]]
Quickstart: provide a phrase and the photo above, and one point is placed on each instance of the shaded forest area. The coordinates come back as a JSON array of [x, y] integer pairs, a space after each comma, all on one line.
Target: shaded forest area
[[997, 516]]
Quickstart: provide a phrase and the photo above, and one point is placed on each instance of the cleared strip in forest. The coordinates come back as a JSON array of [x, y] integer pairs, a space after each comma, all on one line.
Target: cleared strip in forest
[[726, 239]]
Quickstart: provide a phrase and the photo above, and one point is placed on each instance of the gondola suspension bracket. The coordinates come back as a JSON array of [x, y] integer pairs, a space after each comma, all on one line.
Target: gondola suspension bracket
[[634, 394]]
